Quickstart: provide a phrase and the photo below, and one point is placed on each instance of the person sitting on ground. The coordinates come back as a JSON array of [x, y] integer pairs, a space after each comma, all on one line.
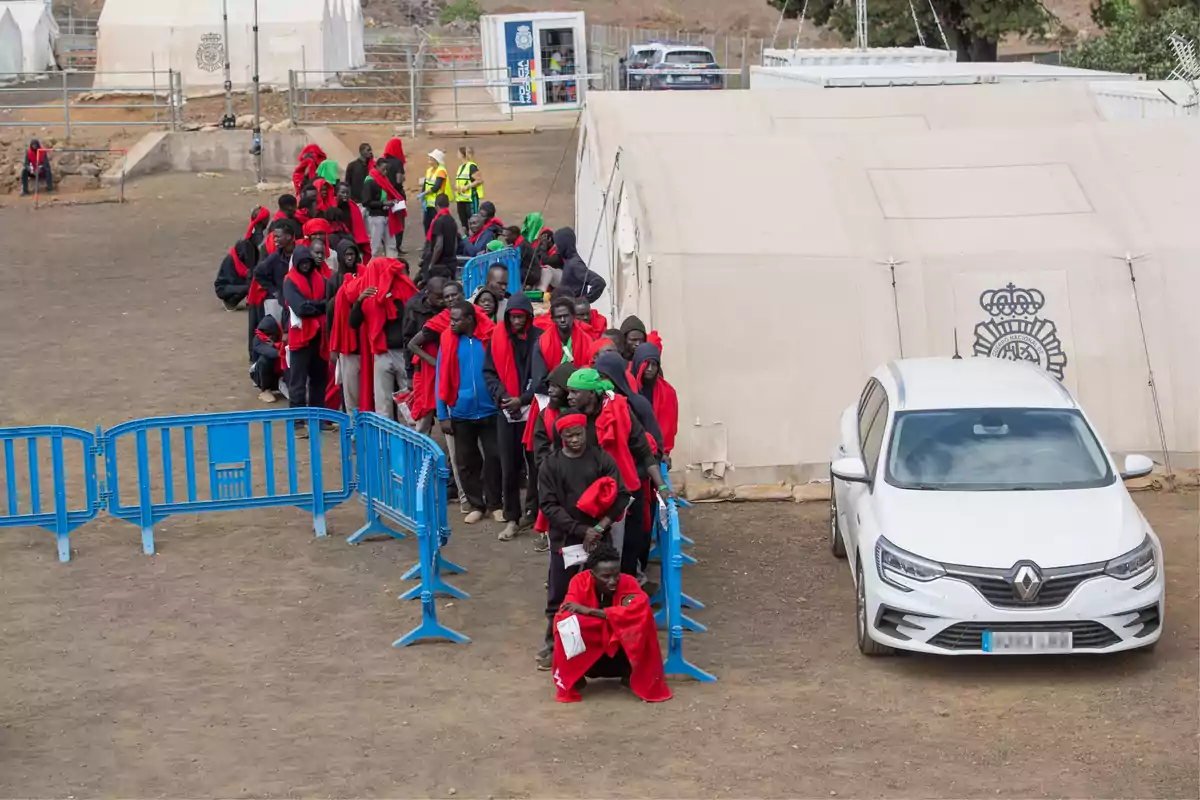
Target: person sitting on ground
[[466, 410], [593, 319], [633, 331], [36, 168], [232, 284], [490, 229], [650, 383], [441, 243], [508, 371], [574, 472], [270, 359], [616, 625], [308, 345], [565, 340]]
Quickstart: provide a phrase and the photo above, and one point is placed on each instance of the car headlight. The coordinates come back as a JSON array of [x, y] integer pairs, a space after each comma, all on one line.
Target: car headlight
[[891, 559], [1138, 561]]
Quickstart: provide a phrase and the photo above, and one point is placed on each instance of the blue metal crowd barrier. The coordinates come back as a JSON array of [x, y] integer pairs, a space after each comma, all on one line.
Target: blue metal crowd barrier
[[672, 586], [61, 519], [231, 466], [474, 272]]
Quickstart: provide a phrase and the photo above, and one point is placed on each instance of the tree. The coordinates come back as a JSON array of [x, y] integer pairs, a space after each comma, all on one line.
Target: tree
[[973, 28], [1136, 39]]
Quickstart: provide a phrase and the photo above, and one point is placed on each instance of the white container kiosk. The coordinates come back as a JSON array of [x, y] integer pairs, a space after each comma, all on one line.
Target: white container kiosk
[[534, 49]]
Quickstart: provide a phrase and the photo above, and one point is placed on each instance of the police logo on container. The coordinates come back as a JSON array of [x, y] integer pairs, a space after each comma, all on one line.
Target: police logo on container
[[210, 55], [1016, 332], [523, 38]]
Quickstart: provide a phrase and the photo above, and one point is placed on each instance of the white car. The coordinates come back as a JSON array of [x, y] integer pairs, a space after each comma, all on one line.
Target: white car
[[980, 514]]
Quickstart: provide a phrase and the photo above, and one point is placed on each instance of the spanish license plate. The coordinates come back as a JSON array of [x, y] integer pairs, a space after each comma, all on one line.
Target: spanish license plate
[[690, 78], [1026, 641]]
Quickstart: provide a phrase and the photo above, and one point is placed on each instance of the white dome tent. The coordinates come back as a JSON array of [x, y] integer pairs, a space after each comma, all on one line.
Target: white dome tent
[[39, 32], [187, 36], [11, 50]]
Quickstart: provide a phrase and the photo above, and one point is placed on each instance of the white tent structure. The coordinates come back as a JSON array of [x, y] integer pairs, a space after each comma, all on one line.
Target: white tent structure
[[39, 32], [12, 59], [1008, 218], [187, 36]]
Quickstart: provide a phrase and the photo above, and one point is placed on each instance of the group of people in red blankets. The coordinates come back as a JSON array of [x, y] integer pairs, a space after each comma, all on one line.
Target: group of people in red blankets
[[584, 409]]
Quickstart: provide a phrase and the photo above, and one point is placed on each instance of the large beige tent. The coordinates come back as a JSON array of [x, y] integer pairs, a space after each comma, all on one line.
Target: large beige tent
[[12, 51], [39, 32], [322, 36], [787, 243]]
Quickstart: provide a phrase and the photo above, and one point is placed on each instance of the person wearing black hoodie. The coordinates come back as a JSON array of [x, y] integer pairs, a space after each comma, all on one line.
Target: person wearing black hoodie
[[507, 370], [271, 271], [231, 285], [574, 275], [348, 260], [304, 296], [269, 362], [636, 546], [633, 335]]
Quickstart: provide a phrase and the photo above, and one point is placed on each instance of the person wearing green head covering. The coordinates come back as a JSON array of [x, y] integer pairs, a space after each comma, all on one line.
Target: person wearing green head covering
[[326, 183], [613, 427], [494, 245], [532, 226]]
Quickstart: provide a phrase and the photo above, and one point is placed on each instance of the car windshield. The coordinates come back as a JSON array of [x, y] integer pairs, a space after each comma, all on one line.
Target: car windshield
[[643, 56], [689, 57], [995, 449]]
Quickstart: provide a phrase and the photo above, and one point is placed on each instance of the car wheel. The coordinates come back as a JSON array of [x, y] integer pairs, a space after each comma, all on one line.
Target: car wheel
[[836, 545], [866, 645]]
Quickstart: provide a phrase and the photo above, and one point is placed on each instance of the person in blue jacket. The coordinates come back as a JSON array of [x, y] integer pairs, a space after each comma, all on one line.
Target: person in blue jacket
[[467, 411]]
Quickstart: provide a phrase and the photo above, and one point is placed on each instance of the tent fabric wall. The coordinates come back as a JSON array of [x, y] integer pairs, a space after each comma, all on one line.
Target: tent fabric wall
[[950, 214], [39, 32], [187, 36], [12, 59]]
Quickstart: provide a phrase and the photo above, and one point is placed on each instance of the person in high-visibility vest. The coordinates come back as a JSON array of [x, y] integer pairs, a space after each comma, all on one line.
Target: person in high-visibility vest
[[435, 183], [468, 185]]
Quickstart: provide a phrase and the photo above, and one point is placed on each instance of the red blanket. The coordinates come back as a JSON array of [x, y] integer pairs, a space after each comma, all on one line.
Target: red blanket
[[612, 432], [390, 277], [395, 219], [358, 229], [447, 388], [550, 343], [506, 364], [666, 407], [313, 288], [310, 158], [627, 627], [344, 339]]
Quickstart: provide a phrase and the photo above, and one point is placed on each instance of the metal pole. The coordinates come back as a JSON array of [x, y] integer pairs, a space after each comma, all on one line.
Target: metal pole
[[153, 87], [304, 81], [454, 94], [228, 122], [66, 106], [257, 148], [412, 100]]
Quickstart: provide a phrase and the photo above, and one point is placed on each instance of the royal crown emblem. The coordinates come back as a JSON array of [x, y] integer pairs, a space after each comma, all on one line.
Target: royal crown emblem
[[523, 38], [1016, 332], [210, 55]]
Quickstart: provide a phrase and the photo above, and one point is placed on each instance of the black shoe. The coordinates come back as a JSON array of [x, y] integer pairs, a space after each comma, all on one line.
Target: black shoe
[[528, 520], [545, 659]]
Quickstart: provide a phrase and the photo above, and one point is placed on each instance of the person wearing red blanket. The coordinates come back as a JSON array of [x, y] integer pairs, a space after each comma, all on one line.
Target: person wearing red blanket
[[383, 191], [36, 168], [580, 495], [345, 344], [615, 428], [565, 340], [490, 229], [306, 169], [509, 375], [650, 382], [466, 410], [593, 320], [616, 624], [269, 354], [232, 284], [538, 434], [353, 216], [308, 342], [379, 311]]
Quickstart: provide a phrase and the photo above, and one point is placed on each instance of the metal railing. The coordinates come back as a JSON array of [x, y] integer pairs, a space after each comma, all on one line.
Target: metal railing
[[71, 24], [64, 92]]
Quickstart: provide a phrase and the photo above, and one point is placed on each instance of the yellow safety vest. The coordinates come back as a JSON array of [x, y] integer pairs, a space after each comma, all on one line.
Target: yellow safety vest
[[430, 180], [461, 193]]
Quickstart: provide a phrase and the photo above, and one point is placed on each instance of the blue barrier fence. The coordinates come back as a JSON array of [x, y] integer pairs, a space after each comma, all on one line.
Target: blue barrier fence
[[474, 272], [671, 547]]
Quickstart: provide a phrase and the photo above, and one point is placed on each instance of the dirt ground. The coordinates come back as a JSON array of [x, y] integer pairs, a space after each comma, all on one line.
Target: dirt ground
[[249, 659]]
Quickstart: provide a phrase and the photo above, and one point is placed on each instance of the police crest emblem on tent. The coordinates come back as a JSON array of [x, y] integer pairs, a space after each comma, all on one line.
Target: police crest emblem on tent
[[1016, 332], [210, 55], [523, 38]]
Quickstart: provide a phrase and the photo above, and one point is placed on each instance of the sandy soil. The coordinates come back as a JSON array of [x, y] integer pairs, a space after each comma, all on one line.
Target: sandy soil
[[250, 659]]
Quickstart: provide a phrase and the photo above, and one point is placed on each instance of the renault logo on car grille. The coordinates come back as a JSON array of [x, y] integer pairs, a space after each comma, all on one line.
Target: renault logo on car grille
[[1027, 582]]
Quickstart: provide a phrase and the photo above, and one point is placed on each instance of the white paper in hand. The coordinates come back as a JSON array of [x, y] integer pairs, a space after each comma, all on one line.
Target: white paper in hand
[[573, 554], [399, 206], [296, 322], [570, 636]]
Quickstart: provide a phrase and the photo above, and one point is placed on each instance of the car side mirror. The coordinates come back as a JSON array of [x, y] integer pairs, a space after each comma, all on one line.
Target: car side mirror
[[1136, 467], [851, 470]]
